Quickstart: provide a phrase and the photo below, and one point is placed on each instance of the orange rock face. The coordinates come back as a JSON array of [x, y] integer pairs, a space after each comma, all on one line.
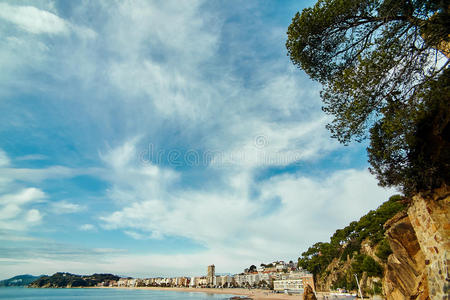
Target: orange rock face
[[419, 238], [405, 277]]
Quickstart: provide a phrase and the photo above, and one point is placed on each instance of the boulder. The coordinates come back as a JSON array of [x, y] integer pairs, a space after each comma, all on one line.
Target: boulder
[[308, 293]]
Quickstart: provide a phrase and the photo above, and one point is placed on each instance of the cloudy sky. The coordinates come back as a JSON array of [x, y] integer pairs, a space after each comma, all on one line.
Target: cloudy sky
[[154, 138]]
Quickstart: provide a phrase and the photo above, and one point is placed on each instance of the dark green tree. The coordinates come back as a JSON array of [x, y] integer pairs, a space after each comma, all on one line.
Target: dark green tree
[[383, 250], [346, 242], [383, 65]]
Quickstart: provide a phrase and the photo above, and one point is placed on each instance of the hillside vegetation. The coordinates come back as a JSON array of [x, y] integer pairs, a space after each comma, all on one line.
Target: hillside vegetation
[[19, 280], [343, 255], [61, 280]]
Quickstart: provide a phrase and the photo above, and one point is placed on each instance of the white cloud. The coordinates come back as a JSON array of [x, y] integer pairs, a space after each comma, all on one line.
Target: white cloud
[[9, 211], [139, 236], [234, 231], [268, 144], [26, 195], [32, 157], [18, 202], [64, 207], [181, 36], [165, 82], [38, 175], [4, 159], [38, 40], [33, 20], [15, 211], [126, 173], [9, 236], [292, 211], [33, 216], [87, 227]]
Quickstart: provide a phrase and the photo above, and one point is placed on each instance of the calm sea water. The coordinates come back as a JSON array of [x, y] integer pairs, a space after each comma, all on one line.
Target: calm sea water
[[103, 294]]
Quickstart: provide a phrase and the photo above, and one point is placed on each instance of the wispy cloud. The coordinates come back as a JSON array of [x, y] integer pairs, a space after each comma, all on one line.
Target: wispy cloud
[[32, 157], [15, 211], [64, 207], [233, 222], [33, 20], [206, 85], [4, 159], [19, 199], [87, 227]]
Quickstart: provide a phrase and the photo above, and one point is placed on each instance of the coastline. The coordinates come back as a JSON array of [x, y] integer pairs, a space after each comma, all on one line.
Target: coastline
[[255, 294]]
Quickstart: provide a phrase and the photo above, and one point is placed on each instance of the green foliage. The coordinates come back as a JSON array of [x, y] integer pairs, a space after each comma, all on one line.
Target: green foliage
[[345, 281], [60, 280], [384, 75], [350, 249], [347, 241], [424, 132], [20, 280], [383, 250], [377, 289], [340, 283], [365, 263], [317, 257]]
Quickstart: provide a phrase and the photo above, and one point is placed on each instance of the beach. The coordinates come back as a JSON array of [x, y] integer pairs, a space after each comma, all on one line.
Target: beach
[[255, 294]]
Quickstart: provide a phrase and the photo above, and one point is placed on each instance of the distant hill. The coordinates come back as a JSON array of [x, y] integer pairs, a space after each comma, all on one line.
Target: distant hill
[[62, 280], [19, 280]]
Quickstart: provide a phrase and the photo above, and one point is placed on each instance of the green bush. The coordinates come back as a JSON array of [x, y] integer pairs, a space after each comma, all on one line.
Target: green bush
[[383, 250], [365, 263], [372, 268]]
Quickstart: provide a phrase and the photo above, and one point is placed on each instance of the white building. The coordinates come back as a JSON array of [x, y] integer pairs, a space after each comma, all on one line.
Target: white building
[[288, 285], [252, 279], [131, 282], [265, 277], [240, 279], [122, 282], [193, 282], [227, 280]]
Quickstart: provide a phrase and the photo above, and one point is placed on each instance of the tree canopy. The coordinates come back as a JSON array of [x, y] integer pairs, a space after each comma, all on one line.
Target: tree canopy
[[346, 243], [384, 70]]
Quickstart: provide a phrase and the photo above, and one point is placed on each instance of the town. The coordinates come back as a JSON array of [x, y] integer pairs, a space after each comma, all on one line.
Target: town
[[277, 276]]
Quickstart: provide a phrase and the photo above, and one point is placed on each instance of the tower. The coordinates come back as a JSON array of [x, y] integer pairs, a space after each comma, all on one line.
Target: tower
[[211, 274]]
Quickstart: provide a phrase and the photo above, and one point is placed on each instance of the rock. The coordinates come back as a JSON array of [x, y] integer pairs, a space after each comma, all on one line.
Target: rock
[[405, 277], [430, 218], [308, 293]]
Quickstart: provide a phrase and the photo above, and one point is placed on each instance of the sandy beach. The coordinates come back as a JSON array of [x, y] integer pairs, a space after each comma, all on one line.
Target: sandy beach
[[253, 293]]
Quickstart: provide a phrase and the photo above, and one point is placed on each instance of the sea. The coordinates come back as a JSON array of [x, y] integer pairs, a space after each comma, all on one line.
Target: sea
[[19, 293]]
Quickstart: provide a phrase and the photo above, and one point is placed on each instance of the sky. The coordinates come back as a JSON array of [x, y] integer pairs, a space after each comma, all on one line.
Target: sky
[[154, 138]]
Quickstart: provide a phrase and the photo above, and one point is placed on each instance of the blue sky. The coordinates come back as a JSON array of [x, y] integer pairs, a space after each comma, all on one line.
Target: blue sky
[[155, 138]]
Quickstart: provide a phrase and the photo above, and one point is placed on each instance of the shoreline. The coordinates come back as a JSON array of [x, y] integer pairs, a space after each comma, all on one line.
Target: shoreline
[[255, 294]]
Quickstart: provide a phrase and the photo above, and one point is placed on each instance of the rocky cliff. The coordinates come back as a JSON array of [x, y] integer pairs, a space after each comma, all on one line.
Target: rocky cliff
[[418, 268], [430, 217], [339, 271], [414, 255], [405, 276], [360, 248]]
